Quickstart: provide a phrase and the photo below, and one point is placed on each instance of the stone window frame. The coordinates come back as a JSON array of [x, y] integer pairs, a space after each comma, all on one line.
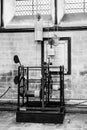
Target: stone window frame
[[8, 13]]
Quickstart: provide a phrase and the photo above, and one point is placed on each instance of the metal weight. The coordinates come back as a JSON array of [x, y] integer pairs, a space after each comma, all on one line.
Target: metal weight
[[16, 80], [16, 59]]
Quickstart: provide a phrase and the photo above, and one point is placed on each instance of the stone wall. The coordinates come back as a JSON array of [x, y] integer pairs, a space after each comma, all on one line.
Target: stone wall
[[29, 52], [23, 45]]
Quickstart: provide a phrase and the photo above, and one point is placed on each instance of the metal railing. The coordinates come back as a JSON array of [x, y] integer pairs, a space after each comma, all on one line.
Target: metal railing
[[75, 6], [32, 7]]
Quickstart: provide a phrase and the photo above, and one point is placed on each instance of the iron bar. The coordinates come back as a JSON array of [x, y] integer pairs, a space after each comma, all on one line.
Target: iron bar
[[42, 72], [27, 82], [18, 89], [84, 6], [23, 85], [26, 7], [72, 7]]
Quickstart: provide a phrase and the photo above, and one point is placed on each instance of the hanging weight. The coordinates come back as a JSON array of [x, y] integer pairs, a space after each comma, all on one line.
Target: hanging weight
[[16, 80], [16, 59]]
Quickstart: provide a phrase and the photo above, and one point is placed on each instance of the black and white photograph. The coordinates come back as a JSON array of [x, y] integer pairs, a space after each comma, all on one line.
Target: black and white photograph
[[43, 64]]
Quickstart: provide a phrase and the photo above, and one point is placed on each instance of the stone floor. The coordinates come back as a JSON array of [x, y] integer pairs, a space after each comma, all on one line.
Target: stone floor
[[71, 122]]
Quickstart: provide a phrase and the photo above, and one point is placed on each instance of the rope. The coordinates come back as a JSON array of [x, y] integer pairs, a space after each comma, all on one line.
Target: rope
[[5, 92]]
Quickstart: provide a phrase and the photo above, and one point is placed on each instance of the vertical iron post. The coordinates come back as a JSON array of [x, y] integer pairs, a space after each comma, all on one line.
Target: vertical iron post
[[61, 87], [84, 6], [18, 108], [23, 85], [63, 83], [48, 83], [27, 82], [42, 71]]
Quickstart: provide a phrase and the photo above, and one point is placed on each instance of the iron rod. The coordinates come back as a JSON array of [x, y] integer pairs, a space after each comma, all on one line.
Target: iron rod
[[18, 88], [27, 82]]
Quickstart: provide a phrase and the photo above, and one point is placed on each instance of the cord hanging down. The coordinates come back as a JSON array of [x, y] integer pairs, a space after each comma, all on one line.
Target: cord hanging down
[[5, 92]]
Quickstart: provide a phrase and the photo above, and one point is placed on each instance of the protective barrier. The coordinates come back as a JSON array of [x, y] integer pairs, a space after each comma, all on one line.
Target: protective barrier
[[32, 7]]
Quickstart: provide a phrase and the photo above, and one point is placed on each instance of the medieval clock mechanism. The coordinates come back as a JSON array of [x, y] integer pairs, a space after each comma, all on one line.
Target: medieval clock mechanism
[[39, 105]]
